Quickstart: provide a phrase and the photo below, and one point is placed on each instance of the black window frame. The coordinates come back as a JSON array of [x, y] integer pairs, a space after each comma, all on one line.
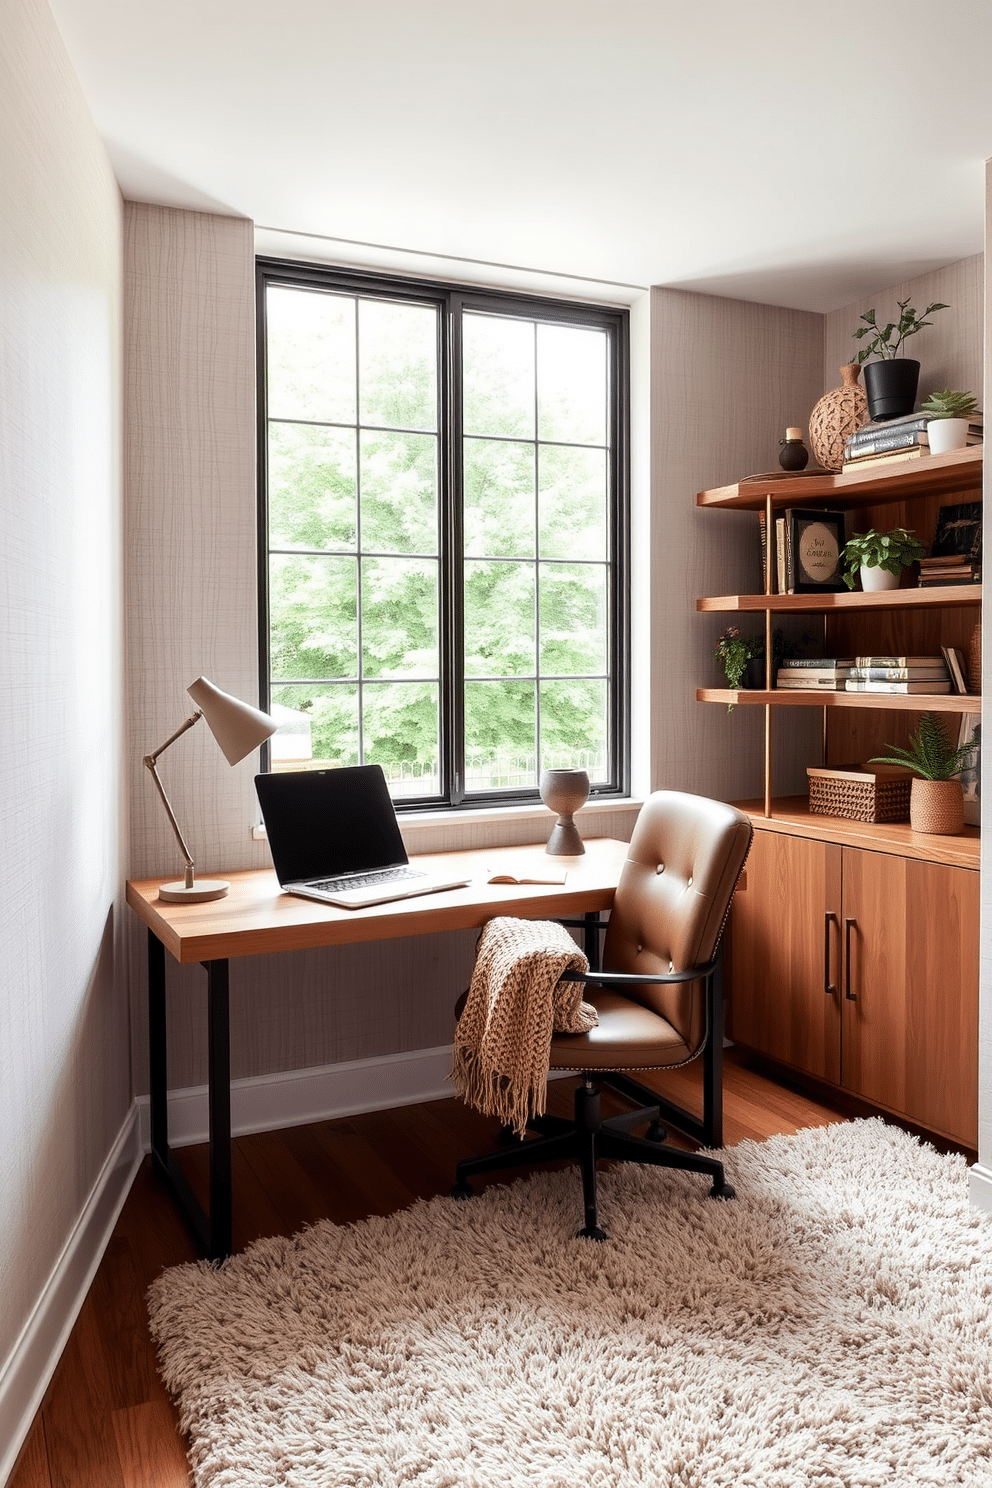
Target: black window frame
[[452, 300]]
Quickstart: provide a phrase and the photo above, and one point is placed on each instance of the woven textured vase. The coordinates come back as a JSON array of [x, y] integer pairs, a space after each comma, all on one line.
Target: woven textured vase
[[837, 415], [936, 806], [975, 661]]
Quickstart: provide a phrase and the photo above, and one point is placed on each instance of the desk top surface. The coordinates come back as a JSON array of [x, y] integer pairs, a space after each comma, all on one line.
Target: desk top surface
[[256, 917]]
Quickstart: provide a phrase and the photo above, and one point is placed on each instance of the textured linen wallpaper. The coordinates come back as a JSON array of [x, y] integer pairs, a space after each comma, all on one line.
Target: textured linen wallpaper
[[728, 378], [64, 1078]]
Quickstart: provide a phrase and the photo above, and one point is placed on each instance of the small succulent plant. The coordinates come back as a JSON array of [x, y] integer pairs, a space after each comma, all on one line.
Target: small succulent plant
[[947, 403]]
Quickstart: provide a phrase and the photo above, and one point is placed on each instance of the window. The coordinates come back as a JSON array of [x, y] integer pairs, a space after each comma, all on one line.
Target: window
[[442, 534]]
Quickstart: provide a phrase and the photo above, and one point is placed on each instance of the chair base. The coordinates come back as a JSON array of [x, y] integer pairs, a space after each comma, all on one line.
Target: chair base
[[585, 1140]]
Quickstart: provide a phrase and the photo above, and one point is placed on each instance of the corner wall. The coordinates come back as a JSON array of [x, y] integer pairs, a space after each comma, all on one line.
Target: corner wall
[[64, 1077], [727, 379]]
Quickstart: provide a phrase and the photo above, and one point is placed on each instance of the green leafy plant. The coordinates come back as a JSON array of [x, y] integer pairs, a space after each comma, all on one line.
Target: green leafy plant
[[894, 551], [886, 340], [734, 651], [930, 753], [947, 404]]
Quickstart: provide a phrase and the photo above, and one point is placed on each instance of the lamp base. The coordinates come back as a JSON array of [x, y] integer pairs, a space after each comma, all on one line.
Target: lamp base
[[202, 890]]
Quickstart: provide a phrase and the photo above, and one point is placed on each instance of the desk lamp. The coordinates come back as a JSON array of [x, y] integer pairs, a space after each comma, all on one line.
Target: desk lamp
[[238, 728]]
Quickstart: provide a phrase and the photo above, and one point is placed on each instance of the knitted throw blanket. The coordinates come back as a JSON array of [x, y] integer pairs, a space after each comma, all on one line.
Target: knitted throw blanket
[[515, 1000]]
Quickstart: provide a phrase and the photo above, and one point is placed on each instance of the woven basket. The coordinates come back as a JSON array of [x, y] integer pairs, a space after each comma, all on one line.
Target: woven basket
[[859, 793]]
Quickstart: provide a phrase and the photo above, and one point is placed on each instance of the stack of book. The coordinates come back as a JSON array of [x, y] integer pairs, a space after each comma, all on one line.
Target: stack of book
[[955, 568], [898, 439], [819, 673], [927, 674]]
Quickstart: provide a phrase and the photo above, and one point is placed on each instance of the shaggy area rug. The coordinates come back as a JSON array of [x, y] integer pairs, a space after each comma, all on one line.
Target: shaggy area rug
[[829, 1327]]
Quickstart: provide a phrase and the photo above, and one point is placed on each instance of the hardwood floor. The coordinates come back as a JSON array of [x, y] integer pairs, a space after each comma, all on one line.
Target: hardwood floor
[[106, 1421]]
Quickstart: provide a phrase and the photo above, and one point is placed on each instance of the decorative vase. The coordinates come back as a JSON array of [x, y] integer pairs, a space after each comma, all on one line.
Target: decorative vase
[[564, 791], [793, 454], [975, 661], [838, 415], [874, 579], [947, 434], [891, 387], [936, 806]]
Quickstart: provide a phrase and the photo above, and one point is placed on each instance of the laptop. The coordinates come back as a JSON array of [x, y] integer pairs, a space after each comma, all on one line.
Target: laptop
[[334, 836]]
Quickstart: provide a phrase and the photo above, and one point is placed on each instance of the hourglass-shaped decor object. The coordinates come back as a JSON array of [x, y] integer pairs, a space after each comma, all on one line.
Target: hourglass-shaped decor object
[[564, 791]]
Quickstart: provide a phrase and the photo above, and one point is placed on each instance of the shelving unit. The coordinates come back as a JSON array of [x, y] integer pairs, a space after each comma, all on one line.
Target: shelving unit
[[853, 947], [911, 619]]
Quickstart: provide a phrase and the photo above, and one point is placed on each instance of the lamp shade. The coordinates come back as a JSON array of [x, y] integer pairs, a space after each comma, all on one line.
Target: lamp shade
[[238, 727]]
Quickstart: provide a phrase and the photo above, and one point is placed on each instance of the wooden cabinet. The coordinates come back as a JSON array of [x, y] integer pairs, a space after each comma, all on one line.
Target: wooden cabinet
[[860, 967], [853, 950]]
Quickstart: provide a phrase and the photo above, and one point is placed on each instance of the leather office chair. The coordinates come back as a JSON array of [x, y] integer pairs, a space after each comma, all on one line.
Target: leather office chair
[[659, 998]]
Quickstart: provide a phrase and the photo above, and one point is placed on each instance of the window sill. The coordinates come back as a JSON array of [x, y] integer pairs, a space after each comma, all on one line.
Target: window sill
[[500, 826]]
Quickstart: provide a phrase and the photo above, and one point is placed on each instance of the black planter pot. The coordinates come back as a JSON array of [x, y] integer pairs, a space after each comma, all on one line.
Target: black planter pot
[[754, 674], [891, 387]]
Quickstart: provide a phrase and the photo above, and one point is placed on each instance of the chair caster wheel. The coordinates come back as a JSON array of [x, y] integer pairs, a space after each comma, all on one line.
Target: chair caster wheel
[[723, 1191], [591, 1232], [462, 1191], [656, 1132]]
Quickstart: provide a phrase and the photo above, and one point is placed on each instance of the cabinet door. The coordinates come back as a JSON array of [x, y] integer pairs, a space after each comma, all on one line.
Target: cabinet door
[[911, 989], [784, 954]]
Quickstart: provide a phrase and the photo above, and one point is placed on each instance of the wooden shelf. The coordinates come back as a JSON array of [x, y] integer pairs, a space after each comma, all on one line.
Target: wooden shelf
[[782, 697], [931, 475], [791, 814], [937, 597]]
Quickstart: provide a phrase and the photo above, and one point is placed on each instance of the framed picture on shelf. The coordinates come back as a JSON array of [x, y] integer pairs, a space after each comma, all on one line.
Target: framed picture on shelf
[[959, 531], [971, 775], [814, 544]]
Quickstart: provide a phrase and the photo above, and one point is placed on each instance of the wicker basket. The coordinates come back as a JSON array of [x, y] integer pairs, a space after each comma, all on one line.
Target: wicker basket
[[860, 793]]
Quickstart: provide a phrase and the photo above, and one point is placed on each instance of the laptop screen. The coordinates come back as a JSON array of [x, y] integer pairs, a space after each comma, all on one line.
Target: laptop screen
[[323, 823]]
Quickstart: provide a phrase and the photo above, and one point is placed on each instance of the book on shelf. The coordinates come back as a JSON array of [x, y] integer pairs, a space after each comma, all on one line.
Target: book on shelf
[[810, 683], [817, 662], [803, 674], [889, 457], [909, 421], [855, 685], [879, 441], [955, 666], [898, 661], [944, 560], [936, 673], [943, 581]]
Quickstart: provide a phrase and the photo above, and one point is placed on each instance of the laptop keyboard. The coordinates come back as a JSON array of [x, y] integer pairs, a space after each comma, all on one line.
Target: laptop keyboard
[[359, 880]]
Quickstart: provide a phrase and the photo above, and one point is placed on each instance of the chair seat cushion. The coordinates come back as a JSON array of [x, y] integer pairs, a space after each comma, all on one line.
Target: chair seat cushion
[[628, 1036]]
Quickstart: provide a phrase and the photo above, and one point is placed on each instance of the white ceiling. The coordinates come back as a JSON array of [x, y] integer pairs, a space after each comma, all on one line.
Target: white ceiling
[[793, 154]]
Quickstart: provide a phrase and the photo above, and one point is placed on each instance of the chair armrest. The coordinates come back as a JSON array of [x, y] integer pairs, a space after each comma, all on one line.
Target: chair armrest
[[632, 979]]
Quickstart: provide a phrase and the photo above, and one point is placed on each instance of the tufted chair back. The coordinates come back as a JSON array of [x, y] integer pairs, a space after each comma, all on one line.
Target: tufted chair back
[[685, 857]]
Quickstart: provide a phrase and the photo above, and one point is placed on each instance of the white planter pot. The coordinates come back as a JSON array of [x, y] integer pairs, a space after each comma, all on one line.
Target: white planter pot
[[947, 434], [873, 579]]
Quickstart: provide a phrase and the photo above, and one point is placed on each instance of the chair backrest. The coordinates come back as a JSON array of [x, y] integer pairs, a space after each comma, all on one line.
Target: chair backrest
[[686, 855]]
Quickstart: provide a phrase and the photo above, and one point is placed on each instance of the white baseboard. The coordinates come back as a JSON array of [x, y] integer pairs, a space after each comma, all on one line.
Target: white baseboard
[[25, 1374], [296, 1097], [980, 1187]]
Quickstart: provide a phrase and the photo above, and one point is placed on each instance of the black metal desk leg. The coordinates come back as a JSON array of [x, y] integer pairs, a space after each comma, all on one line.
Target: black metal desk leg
[[212, 1232], [219, 1077]]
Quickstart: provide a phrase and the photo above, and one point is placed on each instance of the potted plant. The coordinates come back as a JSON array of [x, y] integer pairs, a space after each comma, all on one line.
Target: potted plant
[[950, 412], [879, 557], [892, 380], [743, 658], [936, 801]]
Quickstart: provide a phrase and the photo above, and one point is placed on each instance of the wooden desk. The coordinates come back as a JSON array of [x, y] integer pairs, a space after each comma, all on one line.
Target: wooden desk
[[256, 918]]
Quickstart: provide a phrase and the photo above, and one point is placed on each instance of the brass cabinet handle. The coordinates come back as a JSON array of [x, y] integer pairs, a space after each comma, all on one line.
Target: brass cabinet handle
[[851, 996], [829, 919]]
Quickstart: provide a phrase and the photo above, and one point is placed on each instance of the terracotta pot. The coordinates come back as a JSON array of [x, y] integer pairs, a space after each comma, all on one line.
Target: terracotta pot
[[936, 806]]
